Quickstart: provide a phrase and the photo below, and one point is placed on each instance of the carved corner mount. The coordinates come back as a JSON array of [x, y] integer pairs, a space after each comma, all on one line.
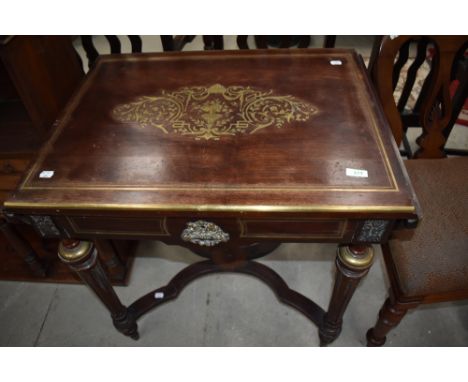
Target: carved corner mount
[[45, 225], [373, 231]]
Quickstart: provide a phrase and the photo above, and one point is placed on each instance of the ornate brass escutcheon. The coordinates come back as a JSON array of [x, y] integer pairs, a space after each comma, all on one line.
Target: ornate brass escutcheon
[[204, 233]]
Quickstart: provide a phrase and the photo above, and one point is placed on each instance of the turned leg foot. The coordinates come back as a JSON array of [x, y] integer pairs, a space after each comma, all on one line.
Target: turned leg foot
[[352, 263], [126, 324], [81, 257], [389, 316]]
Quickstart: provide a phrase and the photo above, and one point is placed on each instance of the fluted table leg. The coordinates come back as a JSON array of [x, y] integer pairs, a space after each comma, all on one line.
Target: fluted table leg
[[110, 259], [352, 263], [81, 257]]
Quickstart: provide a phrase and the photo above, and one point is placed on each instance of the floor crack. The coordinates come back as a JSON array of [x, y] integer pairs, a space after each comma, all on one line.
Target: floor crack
[[45, 317]]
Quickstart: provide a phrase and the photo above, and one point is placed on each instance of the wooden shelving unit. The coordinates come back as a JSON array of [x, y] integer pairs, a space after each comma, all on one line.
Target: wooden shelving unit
[[38, 74]]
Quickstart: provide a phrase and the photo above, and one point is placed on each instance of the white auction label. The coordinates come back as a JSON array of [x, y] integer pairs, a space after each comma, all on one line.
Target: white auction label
[[336, 62], [357, 173], [159, 295], [46, 174]]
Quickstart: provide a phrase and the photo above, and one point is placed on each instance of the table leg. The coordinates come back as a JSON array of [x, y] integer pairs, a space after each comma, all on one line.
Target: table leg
[[110, 258], [81, 257], [23, 248], [352, 263]]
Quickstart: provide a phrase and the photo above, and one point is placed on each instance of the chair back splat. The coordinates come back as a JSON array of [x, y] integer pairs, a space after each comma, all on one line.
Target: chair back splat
[[433, 107], [168, 42]]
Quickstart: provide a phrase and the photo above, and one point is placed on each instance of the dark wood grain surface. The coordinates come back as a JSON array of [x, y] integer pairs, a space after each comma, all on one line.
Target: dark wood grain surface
[[257, 143], [103, 163]]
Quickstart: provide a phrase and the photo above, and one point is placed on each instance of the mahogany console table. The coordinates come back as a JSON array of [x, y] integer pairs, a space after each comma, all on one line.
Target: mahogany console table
[[225, 153]]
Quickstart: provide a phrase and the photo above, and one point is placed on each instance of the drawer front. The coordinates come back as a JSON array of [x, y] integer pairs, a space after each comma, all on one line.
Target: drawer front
[[284, 230], [289, 229], [238, 229], [203, 231], [116, 226]]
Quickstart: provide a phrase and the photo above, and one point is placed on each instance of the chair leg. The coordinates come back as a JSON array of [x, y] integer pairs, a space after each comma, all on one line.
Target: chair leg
[[390, 315]]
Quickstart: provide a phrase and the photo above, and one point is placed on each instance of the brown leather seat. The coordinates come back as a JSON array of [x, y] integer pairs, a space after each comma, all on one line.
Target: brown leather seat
[[435, 259]]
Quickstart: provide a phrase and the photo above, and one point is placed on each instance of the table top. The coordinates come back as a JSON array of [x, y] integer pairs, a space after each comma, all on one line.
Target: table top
[[233, 131]]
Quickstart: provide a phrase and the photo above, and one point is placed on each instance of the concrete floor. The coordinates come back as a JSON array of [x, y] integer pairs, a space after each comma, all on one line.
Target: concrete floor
[[218, 310], [228, 309]]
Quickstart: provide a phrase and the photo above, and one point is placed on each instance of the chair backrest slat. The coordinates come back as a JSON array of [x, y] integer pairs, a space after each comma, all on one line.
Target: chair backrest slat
[[213, 42], [115, 45], [403, 54], [461, 93], [169, 43], [91, 51], [242, 42], [261, 42], [435, 101], [412, 72], [283, 42], [424, 91], [136, 43]]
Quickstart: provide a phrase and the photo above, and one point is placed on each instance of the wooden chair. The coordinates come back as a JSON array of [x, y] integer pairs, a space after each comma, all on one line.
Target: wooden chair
[[428, 264], [264, 42], [38, 74], [169, 43], [411, 76], [213, 42]]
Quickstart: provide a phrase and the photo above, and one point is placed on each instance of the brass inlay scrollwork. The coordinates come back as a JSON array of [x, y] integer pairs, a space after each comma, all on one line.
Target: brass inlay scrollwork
[[215, 111]]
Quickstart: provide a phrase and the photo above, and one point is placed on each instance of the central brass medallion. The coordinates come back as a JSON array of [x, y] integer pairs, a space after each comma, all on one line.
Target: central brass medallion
[[215, 111]]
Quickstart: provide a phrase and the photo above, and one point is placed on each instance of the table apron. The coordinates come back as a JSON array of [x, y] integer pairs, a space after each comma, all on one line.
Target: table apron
[[239, 230]]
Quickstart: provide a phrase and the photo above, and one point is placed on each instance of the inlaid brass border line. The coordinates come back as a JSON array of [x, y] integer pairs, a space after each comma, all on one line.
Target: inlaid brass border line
[[245, 188], [208, 207], [78, 230], [244, 231], [367, 106], [63, 118]]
